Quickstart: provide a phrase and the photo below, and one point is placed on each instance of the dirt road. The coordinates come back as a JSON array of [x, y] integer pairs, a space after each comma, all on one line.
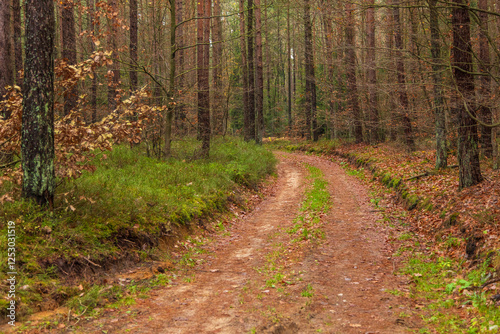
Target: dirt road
[[247, 285]]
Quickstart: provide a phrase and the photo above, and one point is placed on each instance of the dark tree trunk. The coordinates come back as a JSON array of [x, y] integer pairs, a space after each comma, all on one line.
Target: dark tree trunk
[[37, 141], [133, 44], [485, 89], [400, 68], [18, 46], [468, 152], [6, 64], [351, 75], [179, 64], [259, 75], [203, 59], [113, 69], [373, 124], [217, 103], [326, 19], [289, 66], [92, 27], [250, 119], [244, 67], [439, 109], [311, 121], [69, 52]]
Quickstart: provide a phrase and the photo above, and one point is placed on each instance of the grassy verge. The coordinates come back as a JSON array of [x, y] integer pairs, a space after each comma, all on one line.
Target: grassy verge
[[122, 211]]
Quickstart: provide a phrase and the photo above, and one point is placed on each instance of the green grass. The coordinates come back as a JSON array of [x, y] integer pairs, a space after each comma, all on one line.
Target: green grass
[[317, 202], [121, 211], [441, 283]]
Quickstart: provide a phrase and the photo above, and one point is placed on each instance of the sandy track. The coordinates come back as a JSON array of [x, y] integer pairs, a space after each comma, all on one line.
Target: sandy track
[[349, 272]]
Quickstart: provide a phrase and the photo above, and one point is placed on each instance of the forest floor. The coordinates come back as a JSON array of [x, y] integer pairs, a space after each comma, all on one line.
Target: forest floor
[[267, 273]]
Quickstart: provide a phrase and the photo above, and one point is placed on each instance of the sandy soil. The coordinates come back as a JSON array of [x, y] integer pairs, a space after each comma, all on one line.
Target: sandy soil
[[347, 274]]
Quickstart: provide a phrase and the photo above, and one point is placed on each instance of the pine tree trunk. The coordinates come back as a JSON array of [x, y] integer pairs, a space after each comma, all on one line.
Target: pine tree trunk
[[92, 27], [179, 63], [289, 68], [468, 152], [203, 60], [37, 141], [244, 67], [403, 96], [69, 52], [373, 125], [250, 128], [113, 69], [439, 108], [133, 44], [259, 75], [18, 46], [351, 75], [217, 103], [6, 64], [311, 120], [485, 81]]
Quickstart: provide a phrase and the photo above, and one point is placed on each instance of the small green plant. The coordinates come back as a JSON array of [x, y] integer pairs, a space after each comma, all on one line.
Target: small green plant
[[308, 291]]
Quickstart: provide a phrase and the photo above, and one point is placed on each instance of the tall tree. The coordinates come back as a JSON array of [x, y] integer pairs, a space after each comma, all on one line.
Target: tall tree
[[18, 44], [468, 152], [259, 75], [6, 68], [439, 109], [37, 141], [244, 69], [485, 81], [133, 43], [217, 102], [179, 62], [289, 67], [92, 25], [351, 74], [114, 68], [203, 60], [400, 68], [373, 124], [68, 33], [250, 116]]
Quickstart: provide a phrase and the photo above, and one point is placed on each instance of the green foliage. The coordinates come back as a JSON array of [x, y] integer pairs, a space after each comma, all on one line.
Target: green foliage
[[438, 280], [122, 209]]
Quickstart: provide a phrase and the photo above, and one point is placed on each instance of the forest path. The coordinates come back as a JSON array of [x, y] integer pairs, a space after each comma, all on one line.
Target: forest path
[[254, 279]]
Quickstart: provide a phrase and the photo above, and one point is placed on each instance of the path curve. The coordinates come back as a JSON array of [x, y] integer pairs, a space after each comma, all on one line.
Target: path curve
[[349, 270]]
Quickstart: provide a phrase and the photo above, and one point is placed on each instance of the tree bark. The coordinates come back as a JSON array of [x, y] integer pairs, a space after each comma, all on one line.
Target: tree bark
[[250, 118], [37, 133], [351, 74], [289, 67], [203, 54], [18, 46], [69, 52], [439, 108], [113, 69], [92, 27], [485, 81], [244, 67], [217, 103], [259, 75], [133, 44], [6, 64], [403, 96], [373, 124], [468, 152]]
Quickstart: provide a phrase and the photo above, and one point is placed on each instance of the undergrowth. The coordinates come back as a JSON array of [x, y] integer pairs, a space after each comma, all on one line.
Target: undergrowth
[[120, 211]]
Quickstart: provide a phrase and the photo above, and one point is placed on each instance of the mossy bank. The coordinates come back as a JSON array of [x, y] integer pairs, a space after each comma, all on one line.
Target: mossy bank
[[121, 214]]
